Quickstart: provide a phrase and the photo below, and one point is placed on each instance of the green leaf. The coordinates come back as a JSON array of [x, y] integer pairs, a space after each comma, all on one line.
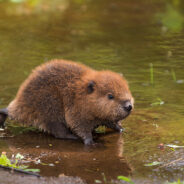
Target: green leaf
[[4, 160], [124, 178], [32, 170], [152, 164]]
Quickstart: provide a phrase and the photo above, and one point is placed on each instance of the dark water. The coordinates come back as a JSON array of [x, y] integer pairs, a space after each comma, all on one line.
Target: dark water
[[124, 36]]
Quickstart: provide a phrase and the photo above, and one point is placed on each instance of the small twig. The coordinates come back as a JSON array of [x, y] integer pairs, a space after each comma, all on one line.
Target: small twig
[[19, 170], [171, 162]]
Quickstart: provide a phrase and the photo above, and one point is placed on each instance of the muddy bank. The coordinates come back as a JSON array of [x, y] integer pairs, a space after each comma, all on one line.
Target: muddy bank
[[16, 178]]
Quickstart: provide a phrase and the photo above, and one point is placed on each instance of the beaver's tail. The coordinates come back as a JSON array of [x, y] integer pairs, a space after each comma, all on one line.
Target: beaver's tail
[[3, 116]]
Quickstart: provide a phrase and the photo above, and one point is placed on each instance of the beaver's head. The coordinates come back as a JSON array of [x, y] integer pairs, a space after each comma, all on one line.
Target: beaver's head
[[108, 96]]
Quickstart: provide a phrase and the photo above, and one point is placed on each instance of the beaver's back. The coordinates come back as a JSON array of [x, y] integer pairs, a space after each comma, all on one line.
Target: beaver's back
[[40, 97]]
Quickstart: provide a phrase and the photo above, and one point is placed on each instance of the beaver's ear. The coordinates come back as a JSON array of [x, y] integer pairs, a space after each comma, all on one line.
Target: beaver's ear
[[90, 86]]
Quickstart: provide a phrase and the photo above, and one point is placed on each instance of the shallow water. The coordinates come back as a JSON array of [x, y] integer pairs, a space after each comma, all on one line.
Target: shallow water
[[124, 36]]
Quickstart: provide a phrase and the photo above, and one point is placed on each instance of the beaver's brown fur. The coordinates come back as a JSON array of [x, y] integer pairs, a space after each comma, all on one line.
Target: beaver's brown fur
[[69, 100]]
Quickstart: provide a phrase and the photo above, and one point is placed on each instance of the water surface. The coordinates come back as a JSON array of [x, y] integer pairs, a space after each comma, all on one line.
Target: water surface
[[124, 36]]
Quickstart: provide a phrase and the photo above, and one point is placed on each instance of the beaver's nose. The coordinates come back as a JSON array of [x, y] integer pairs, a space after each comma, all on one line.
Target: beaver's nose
[[127, 106]]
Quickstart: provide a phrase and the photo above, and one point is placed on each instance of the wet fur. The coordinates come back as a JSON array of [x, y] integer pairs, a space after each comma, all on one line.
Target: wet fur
[[68, 100]]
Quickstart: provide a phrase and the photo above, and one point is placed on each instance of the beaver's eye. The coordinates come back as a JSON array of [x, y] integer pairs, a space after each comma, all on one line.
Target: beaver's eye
[[110, 96]]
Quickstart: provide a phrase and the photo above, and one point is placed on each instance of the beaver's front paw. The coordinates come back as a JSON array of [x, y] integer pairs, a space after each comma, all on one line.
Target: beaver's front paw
[[88, 141], [119, 128]]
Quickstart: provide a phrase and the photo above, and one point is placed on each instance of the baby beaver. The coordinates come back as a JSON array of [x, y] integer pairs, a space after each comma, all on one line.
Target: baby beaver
[[68, 100]]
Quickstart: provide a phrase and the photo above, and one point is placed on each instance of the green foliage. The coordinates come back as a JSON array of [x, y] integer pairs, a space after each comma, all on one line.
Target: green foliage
[[123, 178], [4, 161], [16, 129], [172, 19]]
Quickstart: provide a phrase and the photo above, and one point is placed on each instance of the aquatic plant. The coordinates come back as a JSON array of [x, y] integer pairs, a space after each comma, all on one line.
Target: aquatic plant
[[124, 178], [151, 74], [17, 129], [172, 19], [104, 179], [158, 102], [5, 161], [173, 75]]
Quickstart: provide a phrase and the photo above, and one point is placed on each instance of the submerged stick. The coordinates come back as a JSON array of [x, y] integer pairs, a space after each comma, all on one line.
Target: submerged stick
[[172, 162], [20, 171]]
